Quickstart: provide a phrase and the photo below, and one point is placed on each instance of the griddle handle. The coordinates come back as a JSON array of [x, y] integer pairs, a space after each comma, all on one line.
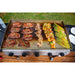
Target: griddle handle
[[36, 54]]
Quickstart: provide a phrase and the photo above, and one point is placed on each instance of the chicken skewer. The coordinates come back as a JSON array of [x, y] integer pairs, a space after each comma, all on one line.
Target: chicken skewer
[[38, 34], [49, 34]]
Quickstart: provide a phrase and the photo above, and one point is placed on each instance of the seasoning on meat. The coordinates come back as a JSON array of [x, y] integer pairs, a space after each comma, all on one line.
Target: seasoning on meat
[[49, 34], [17, 24], [26, 31], [15, 30], [24, 43], [38, 34], [14, 35], [27, 37], [27, 25], [9, 43]]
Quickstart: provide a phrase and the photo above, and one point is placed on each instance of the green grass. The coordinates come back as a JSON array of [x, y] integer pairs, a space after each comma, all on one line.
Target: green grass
[[67, 18]]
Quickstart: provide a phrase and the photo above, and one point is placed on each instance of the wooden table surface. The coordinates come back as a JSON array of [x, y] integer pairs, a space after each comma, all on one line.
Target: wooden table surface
[[68, 58]]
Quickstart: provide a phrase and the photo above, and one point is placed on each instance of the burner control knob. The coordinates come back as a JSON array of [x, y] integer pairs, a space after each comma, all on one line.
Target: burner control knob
[[24, 54], [49, 54], [61, 54], [11, 54], [36, 54]]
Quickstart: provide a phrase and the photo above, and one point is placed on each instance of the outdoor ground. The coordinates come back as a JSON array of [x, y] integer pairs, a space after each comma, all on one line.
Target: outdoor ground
[[68, 18]]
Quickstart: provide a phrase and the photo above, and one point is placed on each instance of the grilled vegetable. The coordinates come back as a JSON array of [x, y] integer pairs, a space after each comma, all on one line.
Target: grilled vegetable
[[58, 28], [63, 42], [61, 36], [49, 34]]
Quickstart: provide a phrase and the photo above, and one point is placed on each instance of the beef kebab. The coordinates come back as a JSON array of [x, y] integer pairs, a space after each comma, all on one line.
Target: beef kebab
[[24, 43], [38, 34], [27, 36], [14, 35], [27, 25], [16, 24], [15, 30], [9, 43], [26, 31], [49, 34]]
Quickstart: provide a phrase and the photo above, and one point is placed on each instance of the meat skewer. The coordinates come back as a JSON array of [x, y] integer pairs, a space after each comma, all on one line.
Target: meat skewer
[[9, 43], [14, 35], [16, 24], [27, 36], [24, 43], [27, 25], [26, 31], [15, 30], [38, 34]]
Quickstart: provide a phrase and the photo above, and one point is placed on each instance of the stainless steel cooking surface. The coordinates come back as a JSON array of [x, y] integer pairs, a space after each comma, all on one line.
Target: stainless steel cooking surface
[[44, 50]]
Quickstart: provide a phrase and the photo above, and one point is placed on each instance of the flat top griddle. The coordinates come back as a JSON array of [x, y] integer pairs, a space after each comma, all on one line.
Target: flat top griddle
[[33, 42]]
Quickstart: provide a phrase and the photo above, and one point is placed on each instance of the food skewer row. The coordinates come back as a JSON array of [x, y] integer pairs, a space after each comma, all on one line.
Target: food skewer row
[[38, 34], [49, 34], [15, 29], [61, 36]]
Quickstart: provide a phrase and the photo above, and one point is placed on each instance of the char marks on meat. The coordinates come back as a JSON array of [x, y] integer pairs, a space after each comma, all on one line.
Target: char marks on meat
[[15, 30], [27, 25], [17, 24], [27, 36], [26, 31], [14, 35], [9, 43], [24, 43]]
